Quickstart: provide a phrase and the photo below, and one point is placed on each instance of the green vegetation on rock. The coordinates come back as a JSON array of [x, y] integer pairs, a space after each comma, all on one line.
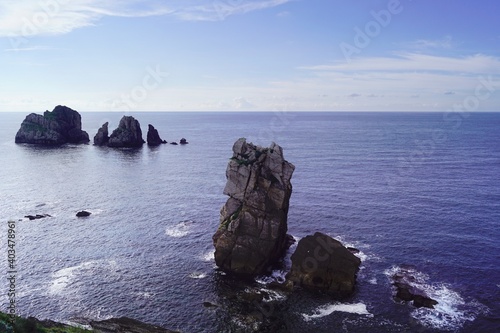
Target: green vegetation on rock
[[31, 325]]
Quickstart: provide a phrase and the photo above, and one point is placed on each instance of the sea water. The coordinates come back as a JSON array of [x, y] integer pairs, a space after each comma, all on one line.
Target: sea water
[[419, 189]]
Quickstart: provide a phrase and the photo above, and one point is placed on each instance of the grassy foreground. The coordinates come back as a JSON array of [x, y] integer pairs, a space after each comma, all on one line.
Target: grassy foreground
[[32, 325]]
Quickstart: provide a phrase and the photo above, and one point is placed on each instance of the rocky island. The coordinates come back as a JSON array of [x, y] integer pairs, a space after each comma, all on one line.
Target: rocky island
[[127, 134], [62, 125]]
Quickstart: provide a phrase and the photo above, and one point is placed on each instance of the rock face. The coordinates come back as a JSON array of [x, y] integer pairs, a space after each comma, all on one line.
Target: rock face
[[321, 262], [123, 324], [253, 222], [128, 134], [62, 125], [102, 136], [153, 137]]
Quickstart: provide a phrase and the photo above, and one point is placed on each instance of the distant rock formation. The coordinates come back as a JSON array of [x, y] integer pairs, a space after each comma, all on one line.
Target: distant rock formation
[[62, 125], [253, 222], [153, 137], [183, 141], [323, 263], [127, 134], [102, 136]]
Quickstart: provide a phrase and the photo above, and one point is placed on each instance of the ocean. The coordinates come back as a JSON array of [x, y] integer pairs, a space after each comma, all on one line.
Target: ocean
[[419, 190]]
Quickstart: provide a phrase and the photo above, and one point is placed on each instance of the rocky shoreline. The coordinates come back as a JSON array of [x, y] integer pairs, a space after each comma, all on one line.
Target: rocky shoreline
[[79, 325]]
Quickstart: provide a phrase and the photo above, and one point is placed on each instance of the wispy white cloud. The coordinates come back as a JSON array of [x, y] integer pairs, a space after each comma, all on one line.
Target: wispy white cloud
[[28, 18], [29, 49], [216, 10], [446, 42], [415, 62]]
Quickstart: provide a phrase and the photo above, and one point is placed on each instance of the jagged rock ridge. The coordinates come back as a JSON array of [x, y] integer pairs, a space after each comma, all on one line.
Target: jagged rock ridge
[[62, 125], [102, 136], [253, 222], [127, 134], [153, 137]]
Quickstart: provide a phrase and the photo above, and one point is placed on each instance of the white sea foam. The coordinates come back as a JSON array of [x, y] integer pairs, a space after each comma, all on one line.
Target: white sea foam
[[272, 295], [181, 229], [63, 277], [208, 256], [144, 294], [373, 281], [197, 275], [451, 312], [326, 310]]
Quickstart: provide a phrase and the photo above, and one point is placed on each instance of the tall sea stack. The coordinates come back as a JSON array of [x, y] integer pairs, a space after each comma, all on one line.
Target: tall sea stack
[[253, 222]]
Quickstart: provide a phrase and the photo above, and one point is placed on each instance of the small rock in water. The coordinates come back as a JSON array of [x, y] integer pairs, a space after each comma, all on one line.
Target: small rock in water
[[406, 290], [37, 216], [183, 141], [83, 213], [173, 143]]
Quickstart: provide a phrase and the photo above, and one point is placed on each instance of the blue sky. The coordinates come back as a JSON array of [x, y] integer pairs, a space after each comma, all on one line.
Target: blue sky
[[268, 55]]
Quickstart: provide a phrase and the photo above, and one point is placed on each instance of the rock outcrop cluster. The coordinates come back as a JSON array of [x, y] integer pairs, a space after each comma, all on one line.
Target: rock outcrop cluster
[[127, 134], [153, 137], [253, 222], [321, 262], [62, 125]]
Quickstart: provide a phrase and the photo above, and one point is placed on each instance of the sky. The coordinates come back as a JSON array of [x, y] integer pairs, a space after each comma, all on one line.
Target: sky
[[262, 55]]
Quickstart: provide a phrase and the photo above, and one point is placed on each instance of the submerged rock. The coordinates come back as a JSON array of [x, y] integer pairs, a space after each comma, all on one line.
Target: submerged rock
[[323, 263], [253, 222], [62, 125], [153, 137], [127, 134], [102, 136], [37, 216], [408, 291]]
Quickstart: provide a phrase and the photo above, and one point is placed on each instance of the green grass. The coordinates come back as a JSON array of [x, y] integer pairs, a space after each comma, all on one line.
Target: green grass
[[22, 325]]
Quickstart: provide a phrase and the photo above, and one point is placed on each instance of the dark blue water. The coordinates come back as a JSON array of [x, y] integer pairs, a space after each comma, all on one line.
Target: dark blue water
[[414, 189]]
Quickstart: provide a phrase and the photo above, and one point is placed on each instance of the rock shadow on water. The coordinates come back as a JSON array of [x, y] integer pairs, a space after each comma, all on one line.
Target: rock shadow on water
[[244, 305]]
